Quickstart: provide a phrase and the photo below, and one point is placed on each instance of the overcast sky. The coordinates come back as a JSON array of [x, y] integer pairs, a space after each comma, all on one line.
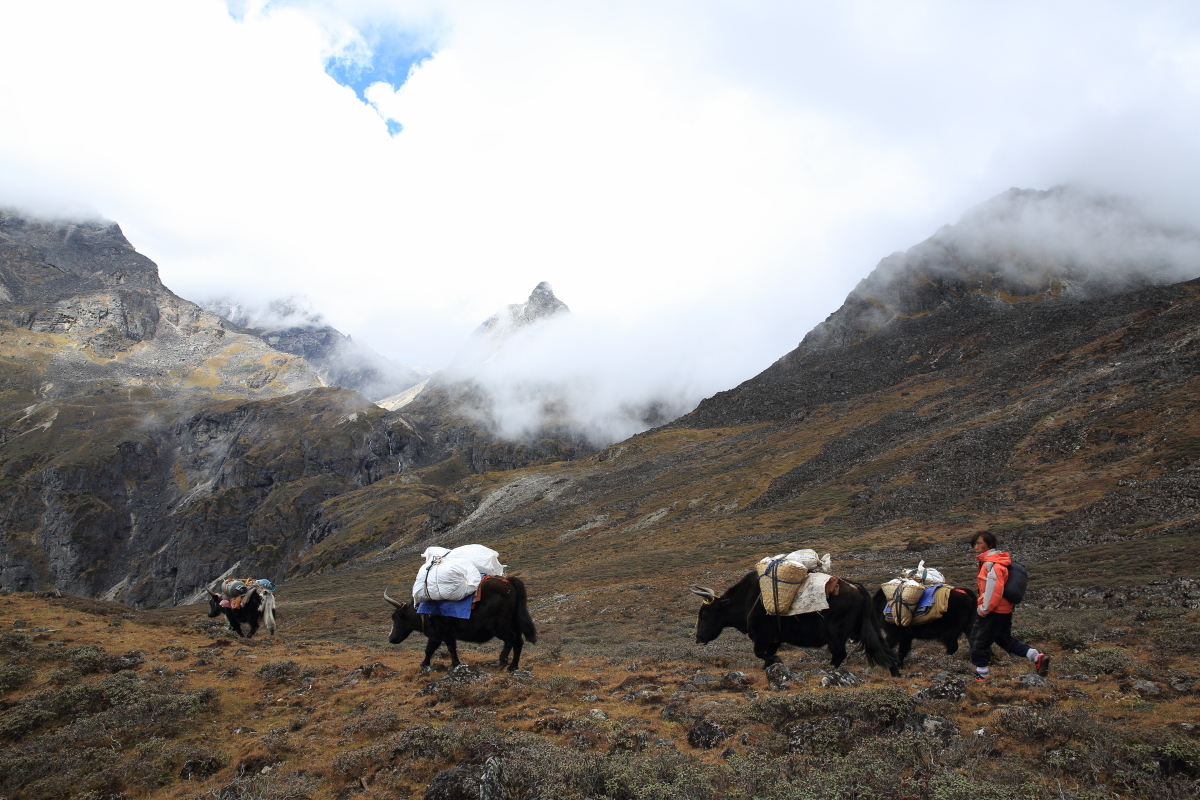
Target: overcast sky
[[701, 182]]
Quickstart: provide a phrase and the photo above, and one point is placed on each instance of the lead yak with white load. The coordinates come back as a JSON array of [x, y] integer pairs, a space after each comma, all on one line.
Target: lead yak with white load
[[462, 594], [501, 613]]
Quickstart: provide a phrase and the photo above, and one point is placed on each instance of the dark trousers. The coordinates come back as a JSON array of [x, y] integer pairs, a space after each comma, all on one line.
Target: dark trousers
[[994, 629]]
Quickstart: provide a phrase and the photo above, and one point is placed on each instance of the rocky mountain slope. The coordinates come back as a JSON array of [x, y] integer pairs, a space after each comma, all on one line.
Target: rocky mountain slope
[[82, 312], [291, 326], [1064, 420], [146, 445]]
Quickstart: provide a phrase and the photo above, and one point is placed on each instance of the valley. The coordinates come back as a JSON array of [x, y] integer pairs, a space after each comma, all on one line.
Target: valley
[[150, 446]]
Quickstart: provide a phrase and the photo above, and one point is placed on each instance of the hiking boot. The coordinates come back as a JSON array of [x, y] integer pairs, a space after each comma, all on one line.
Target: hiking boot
[[1042, 665], [980, 678]]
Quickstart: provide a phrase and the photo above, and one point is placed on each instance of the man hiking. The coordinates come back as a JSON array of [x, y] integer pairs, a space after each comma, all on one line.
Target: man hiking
[[994, 624]]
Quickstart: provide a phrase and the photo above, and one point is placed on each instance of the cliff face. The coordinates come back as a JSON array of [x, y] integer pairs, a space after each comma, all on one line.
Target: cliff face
[[291, 326], [147, 445]]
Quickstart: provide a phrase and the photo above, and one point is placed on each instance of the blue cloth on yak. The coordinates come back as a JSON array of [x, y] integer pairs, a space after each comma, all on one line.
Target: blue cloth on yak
[[460, 609], [926, 600]]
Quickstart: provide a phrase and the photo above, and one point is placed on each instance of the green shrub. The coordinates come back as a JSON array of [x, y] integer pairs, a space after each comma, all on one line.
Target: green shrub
[[1102, 660], [13, 676], [872, 708]]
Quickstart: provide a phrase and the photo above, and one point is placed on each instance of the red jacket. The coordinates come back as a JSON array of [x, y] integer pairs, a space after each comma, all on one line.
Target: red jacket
[[993, 574]]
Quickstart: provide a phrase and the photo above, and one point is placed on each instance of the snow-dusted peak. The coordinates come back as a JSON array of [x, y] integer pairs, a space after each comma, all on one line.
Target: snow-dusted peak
[[542, 304]]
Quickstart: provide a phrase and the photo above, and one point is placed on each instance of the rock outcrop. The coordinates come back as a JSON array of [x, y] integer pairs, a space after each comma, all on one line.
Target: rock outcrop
[[147, 445], [291, 326], [455, 416]]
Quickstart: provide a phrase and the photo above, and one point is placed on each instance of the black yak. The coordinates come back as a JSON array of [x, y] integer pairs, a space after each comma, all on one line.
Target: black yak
[[957, 621], [258, 608], [501, 613], [850, 617]]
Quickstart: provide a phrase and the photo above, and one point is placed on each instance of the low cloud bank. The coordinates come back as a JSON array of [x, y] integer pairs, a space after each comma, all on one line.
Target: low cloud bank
[[1092, 242], [583, 375]]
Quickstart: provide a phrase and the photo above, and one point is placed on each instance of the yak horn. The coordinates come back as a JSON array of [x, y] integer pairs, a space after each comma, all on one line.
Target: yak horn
[[393, 602], [211, 592], [703, 591]]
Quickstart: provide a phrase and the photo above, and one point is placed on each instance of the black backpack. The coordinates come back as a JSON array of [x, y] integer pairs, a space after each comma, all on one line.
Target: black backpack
[[1017, 583]]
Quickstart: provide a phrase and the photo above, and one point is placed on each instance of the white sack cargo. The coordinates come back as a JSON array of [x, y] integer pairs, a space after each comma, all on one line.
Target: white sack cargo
[[444, 578], [485, 559], [926, 576], [810, 561]]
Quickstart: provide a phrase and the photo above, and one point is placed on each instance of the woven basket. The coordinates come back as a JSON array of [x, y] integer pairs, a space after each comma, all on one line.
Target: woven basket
[[778, 581], [900, 608]]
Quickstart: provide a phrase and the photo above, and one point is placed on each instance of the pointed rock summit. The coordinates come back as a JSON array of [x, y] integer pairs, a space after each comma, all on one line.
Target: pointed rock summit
[[541, 305]]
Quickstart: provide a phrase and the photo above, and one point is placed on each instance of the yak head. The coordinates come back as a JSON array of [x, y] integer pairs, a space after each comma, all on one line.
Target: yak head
[[404, 620], [714, 614], [214, 603]]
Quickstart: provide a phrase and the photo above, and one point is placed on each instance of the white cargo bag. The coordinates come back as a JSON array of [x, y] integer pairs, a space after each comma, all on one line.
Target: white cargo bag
[[485, 559], [442, 578], [927, 576], [809, 560]]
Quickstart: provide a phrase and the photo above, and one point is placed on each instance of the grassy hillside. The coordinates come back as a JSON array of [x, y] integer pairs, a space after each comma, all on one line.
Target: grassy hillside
[[102, 701]]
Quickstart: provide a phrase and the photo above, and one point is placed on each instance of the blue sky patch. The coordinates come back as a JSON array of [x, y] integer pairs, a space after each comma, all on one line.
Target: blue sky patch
[[379, 56]]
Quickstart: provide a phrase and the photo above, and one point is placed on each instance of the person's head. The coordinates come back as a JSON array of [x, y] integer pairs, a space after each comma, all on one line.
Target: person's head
[[983, 541]]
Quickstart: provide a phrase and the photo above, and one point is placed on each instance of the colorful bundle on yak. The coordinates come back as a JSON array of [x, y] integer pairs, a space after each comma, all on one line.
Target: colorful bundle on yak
[[913, 603], [236, 590]]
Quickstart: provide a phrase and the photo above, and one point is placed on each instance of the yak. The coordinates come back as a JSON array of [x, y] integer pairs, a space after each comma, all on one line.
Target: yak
[[850, 617], [957, 621], [501, 613], [258, 608]]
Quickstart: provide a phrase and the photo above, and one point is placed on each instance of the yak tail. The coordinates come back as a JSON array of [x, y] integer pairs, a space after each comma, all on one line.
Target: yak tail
[[877, 652], [524, 620], [266, 614]]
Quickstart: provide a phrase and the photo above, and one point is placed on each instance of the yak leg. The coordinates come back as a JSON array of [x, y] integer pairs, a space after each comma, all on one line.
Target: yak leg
[[951, 644], [431, 646], [837, 649], [504, 653], [906, 641], [452, 646], [766, 650], [517, 644]]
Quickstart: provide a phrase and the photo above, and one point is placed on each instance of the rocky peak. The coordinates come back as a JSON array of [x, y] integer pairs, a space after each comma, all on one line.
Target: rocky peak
[[541, 305], [45, 260]]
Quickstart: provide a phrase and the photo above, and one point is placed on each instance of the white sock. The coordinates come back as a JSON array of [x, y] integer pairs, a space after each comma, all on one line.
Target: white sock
[[983, 671], [1032, 655]]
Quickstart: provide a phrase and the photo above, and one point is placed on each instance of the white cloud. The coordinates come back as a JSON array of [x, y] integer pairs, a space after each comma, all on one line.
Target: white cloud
[[723, 173]]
